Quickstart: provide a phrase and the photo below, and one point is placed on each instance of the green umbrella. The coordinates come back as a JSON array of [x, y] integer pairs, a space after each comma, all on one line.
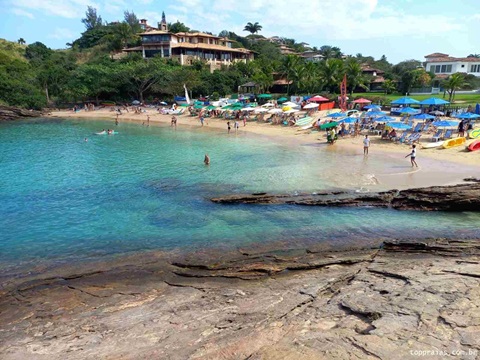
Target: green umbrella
[[264, 96], [198, 107], [211, 107], [282, 99], [328, 125]]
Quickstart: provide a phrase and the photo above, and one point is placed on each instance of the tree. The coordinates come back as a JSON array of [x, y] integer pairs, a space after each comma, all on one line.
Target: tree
[[288, 68], [252, 28], [132, 20], [21, 41], [389, 86], [453, 83], [355, 76], [37, 52], [177, 27], [92, 20], [474, 56], [329, 52], [331, 73]]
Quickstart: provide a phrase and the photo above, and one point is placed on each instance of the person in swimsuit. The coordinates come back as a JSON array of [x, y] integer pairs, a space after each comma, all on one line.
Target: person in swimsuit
[[228, 126], [366, 145], [413, 155], [207, 159]]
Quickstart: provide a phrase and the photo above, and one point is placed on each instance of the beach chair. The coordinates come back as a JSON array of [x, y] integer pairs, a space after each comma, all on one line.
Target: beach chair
[[408, 138], [448, 134], [415, 137], [401, 138], [418, 128], [437, 136]]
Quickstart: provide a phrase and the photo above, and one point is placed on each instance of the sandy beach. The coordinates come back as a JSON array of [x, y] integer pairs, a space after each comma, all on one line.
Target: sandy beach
[[438, 166]]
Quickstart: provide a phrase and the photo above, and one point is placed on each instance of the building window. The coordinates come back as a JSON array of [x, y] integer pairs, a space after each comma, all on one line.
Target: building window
[[475, 68], [441, 69]]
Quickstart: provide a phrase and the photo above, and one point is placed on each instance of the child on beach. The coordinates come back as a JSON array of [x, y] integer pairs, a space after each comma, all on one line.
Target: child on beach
[[413, 155], [366, 145]]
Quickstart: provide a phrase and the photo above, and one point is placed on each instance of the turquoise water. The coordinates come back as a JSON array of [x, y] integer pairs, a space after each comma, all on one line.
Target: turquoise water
[[64, 199]]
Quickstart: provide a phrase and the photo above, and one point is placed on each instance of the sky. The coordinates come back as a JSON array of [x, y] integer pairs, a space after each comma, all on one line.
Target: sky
[[399, 29]]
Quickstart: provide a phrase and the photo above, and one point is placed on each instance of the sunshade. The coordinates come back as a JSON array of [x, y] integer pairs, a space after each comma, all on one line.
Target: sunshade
[[437, 113], [405, 101], [198, 107], [318, 98], [468, 116], [409, 111], [211, 107], [260, 110], [291, 104], [375, 113], [445, 123], [399, 126], [385, 119], [328, 125], [282, 99], [264, 96], [348, 120], [424, 117], [311, 106], [163, 103], [337, 115], [274, 111], [248, 109], [362, 101], [372, 106], [286, 108], [433, 101], [268, 105], [291, 111]]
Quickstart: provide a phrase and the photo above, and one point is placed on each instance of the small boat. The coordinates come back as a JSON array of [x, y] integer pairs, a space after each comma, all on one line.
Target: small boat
[[447, 144], [474, 146], [474, 134], [432, 145]]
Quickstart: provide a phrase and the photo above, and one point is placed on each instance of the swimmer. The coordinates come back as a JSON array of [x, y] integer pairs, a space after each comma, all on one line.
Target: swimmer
[[86, 139], [207, 159]]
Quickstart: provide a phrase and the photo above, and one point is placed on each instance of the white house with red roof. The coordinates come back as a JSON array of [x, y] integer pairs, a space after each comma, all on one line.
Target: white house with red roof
[[444, 64]]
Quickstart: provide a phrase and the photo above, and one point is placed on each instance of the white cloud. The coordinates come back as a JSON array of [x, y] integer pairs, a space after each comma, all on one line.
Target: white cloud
[[65, 8], [62, 34], [21, 12]]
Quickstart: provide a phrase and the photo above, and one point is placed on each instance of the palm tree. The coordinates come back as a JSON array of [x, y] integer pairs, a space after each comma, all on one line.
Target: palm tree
[[331, 73], [355, 76], [253, 28], [389, 86], [453, 83], [288, 68], [21, 41]]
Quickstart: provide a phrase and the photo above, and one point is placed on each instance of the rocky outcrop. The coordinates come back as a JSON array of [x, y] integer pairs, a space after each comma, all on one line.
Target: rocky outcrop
[[13, 113], [463, 197], [403, 301]]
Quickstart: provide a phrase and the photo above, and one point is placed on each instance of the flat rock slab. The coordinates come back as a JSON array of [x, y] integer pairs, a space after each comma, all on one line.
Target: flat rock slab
[[390, 303]]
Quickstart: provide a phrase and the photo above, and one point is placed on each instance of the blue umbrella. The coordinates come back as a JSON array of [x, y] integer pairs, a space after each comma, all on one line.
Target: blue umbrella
[[409, 110], [468, 116], [372, 106], [385, 119], [348, 120], [405, 101], [424, 117], [399, 126], [477, 109], [445, 123], [337, 115], [375, 113], [434, 101]]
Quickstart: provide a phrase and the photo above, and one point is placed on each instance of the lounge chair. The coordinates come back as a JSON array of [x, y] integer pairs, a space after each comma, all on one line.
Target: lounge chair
[[448, 134], [437, 136], [413, 138], [401, 138], [418, 128]]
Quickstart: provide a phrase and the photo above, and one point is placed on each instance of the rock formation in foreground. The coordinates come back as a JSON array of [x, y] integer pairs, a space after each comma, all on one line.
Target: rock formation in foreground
[[404, 301], [13, 113]]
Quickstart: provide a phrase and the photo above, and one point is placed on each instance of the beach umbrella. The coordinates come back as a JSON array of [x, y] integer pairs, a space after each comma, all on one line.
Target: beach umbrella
[[260, 110], [437, 113], [291, 104], [274, 111], [291, 111], [282, 99], [317, 98], [264, 96], [372, 106], [328, 125], [362, 101], [163, 103], [348, 120], [248, 109], [434, 101], [445, 123], [375, 113], [337, 115], [198, 107], [399, 126], [423, 117], [405, 101], [385, 119], [468, 116], [268, 105], [286, 108], [311, 106], [409, 111], [135, 102]]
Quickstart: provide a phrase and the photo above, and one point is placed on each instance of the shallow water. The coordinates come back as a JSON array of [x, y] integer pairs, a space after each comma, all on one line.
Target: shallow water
[[63, 199]]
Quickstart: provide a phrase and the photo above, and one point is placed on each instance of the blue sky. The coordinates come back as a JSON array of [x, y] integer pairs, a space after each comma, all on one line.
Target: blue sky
[[400, 29]]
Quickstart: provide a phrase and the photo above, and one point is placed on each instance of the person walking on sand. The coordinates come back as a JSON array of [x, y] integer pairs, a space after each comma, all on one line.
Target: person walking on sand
[[366, 145], [245, 121], [228, 127], [236, 125], [207, 159], [201, 120], [413, 155]]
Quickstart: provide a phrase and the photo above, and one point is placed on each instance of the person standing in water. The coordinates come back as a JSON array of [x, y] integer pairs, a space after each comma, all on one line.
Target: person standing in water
[[366, 145], [237, 126], [116, 120], [228, 127], [207, 159], [413, 155]]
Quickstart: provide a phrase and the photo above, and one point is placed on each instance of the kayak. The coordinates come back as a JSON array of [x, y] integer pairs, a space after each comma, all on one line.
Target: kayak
[[474, 146], [474, 134], [447, 144], [432, 145]]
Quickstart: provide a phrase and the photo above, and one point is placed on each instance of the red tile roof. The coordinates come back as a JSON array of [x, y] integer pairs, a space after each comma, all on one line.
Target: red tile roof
[[436, 55], [452, 59]]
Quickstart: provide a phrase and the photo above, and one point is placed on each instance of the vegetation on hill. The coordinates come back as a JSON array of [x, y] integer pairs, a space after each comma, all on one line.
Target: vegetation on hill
[[34, 76]]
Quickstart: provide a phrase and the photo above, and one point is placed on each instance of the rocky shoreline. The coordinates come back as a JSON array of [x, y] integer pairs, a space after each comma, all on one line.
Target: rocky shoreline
[[461, 197], [14, 113], [400, 301]]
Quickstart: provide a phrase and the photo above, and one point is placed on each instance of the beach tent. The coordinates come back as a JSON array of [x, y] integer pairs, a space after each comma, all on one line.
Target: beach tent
[[434, 101], [445, 123], [282, 99], [372, 106], [399, 126], [423, 117], [264, 96], [318, 98], [328, 125], [468, 116], [362, 101], [405, 101], [337, 115], [409, 111], [311, 106]]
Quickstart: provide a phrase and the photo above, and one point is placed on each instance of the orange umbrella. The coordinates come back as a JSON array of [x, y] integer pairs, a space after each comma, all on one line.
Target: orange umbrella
[[362, 101]]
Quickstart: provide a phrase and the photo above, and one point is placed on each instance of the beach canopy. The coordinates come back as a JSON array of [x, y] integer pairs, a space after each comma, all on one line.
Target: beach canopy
[[423, 117], [445, 123], [405, 101], [282, 99], [318, 98], [264, 96], [434, 101], [362, 101], [328, 125], [385, 119], [372, 106], [409, 111], [337, 115], [468, 116], [311, 106], [399, 126]]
